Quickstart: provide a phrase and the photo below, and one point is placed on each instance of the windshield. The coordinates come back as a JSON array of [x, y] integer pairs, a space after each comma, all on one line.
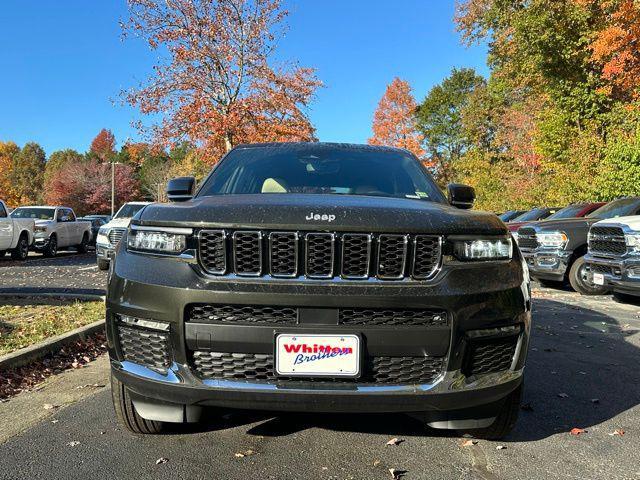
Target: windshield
[[128, 210], [321, 169], [35, 213], [617, 208], [535, 214], [571, 211]]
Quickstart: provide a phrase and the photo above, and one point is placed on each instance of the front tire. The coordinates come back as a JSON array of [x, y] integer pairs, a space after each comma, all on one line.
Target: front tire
[[103, 264], [126, 412], [22, 249], [82, 248], [579, 280], [506, 419], [52, 247]]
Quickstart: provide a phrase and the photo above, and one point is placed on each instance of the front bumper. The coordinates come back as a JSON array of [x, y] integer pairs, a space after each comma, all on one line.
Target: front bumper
[[105, 252], [548, 264], [622, 274], [40, 242], [480, 296]]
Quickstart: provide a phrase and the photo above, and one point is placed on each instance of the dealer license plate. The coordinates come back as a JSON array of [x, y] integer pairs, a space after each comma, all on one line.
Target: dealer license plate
[[318, 355], [598, 278]]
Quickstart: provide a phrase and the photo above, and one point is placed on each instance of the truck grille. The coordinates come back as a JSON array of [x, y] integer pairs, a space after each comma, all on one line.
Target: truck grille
[[527, 239], [260, 367], [144, 347], [319, 255], [607, 241], [276, 315], [115, 235]]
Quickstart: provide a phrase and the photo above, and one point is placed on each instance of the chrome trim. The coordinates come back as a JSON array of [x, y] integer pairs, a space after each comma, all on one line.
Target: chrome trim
[[306, 254], [452, 381], [368, 270], [296, 248], [404, 256], [257, 233], [437, 266], [176, 230], [224, 246], [188, 256]]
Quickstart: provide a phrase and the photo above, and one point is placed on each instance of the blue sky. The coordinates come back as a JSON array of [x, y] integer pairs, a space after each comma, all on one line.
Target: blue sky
[[64, 63]]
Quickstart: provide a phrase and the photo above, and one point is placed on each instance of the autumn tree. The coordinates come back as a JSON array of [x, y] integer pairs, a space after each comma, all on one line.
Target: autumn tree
[[27, 173], [57, 160], [8, 154], [218, 85], [85, 186], [103, 146], [394, 123], [439, 119]]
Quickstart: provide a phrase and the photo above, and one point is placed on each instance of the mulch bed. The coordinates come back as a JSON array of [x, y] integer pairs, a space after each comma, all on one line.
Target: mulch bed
[[72, 356]]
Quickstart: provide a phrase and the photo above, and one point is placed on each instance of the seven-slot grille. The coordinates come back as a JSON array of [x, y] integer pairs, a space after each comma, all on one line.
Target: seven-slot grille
[[319, 255], [115, 235], [607, 241], [259, 367], [527, 239]]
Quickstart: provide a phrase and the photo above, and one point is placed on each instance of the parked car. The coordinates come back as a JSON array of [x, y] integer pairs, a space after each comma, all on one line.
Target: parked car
[[56, 227], [613, 260], [555, 249], [510, 215], [104, 218], [533, 215], [16, 235], [96, 223], [318, 277], [109, 235]]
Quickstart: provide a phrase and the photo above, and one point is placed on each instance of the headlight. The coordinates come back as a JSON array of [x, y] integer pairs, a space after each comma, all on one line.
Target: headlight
[[498, 249], [103, 236], [39, 229], [552, 239], [633, 242], [167, 242]]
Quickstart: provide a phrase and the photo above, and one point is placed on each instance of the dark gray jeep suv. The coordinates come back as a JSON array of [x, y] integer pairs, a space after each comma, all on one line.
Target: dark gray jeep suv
[[318, 277]]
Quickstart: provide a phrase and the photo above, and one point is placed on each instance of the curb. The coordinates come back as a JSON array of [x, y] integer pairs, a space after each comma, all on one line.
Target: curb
[[51, 345]]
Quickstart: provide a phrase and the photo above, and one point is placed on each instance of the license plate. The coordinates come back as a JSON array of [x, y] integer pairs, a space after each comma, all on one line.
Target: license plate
[[318, 355], [598, 278]]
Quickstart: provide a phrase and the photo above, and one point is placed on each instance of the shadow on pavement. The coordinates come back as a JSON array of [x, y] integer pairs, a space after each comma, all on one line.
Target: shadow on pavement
[[62, 259], [581, 371]]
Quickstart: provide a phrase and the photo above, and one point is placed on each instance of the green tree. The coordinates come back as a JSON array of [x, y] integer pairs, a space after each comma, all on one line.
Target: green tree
[[28, 173], [57, 160], [439, 119]]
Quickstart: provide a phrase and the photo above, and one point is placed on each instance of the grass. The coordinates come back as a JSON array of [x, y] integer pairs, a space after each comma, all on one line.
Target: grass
[[25, 323]]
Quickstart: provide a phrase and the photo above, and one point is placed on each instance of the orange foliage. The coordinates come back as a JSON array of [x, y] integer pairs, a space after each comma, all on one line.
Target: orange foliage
[[218, 88], [104, 144], [394, 120], [616, 48]]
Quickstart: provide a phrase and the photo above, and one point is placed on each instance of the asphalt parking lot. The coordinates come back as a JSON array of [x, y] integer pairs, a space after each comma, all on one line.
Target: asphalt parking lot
[[582, 373]]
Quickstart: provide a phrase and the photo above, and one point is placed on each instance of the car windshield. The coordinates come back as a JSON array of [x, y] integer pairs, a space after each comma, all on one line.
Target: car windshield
[[322, 169], [128, 210], [617, 208], [535, 214], [571, 211], [35, 213]]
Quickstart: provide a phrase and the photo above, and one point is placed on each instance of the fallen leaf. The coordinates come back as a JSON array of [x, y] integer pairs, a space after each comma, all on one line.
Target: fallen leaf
[[161, 460], [563, 395], [395, 441], [48, 406], [469, 443], [73, 444], [376, 463], [618, 431], [239, 455], [577, 431], [501, 447], [55, 421], [396, 474]]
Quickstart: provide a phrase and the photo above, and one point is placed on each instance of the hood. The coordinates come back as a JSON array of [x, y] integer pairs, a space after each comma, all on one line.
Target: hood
[[118, 223], [631, 221], [563, 223], [322, 212]]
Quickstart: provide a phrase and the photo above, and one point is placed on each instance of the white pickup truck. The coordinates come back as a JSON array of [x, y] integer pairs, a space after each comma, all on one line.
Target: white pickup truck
[[56, 227], [614, 256], [16, 235]]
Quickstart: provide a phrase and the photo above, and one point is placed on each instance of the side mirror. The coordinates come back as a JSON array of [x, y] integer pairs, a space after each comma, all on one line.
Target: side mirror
[[461, 196], [181, 189]]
